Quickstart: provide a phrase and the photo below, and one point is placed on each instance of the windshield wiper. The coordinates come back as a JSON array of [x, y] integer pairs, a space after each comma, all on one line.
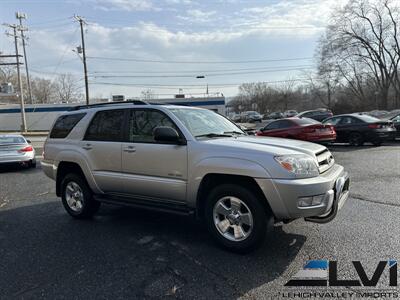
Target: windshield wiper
[[234, 132], [212, 135]]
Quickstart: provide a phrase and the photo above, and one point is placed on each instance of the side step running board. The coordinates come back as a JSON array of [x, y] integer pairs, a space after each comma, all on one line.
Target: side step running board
[[175, 208]]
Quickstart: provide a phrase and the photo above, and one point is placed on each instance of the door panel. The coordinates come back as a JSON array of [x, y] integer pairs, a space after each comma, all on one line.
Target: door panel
[[152, 169], [155, 170], [104, 159], [102, 147]]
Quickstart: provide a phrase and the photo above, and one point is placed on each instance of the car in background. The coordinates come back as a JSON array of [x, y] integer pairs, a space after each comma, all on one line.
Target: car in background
[[300, 129], [290, 113], [318, 114], [356, 129], [275, 115], [251, 116], [378, 113], [395, 118], [15, 149], [234, 117]]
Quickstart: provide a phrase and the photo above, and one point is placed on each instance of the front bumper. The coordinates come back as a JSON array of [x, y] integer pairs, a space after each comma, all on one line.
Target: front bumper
[[283, 195]]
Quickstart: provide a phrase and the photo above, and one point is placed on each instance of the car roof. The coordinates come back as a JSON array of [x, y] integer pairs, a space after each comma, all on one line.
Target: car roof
[[313, 110], [11, 135], [129, 105]]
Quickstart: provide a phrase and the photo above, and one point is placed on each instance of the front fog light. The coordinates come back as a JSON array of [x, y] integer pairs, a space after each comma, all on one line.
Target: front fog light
[[305, 201], [317, 200], [310, 201]]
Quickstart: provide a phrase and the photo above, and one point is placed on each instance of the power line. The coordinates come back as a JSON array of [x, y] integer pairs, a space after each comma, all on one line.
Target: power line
[[206, 75], [200, 71], [167, 86], [197, 62]]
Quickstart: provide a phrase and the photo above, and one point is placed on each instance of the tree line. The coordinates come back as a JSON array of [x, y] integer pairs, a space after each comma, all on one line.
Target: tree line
[[64, 88], [357, 59]]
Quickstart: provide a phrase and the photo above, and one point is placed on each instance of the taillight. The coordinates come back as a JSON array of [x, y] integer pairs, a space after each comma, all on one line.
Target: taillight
[[374, 126], [26, 149]]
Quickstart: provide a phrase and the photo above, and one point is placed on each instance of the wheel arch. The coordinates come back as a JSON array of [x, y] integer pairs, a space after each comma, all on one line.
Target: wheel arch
[[212, 180], [64, 168]]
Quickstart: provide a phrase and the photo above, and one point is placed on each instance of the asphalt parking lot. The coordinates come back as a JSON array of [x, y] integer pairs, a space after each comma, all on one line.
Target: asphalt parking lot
[[128, 253]]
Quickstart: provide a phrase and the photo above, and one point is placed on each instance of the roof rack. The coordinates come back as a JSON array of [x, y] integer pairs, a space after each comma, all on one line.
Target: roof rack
[[134, 102]]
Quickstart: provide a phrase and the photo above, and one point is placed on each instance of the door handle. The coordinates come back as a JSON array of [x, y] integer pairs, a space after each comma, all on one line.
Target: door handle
[[130, 149], [87, 147]]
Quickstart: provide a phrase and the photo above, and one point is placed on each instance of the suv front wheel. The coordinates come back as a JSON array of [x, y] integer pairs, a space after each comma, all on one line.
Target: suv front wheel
[[236, 218], [77, 197]]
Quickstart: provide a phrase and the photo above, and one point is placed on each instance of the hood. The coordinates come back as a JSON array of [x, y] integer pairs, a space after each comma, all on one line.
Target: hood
[[277, 146]]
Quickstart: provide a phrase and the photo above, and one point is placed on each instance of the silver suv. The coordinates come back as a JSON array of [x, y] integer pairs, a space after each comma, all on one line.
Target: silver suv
[[190, 161]]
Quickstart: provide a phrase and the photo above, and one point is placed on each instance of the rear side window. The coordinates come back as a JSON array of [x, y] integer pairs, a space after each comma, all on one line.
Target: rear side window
[[106, 126], [350, 120], [64, 124]]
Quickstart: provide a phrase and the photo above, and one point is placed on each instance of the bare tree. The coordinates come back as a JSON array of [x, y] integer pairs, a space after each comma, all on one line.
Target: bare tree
[[43, 90], [68, 89], [362, 43]]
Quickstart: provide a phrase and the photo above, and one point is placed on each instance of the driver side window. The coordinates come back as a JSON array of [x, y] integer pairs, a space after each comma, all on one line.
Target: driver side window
[[143, 122]]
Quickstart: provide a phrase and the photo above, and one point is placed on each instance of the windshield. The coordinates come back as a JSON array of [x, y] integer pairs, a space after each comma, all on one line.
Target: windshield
[[203, 122], [7, 140]]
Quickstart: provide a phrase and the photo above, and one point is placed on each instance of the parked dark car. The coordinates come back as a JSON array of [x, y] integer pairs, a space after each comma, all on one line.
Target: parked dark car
[[275, 115], [357, 129], [318, 114], [300, 129]]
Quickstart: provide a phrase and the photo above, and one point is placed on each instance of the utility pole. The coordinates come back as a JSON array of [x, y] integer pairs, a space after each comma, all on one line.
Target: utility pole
[[21, 93], [81, 22], [21, 16]]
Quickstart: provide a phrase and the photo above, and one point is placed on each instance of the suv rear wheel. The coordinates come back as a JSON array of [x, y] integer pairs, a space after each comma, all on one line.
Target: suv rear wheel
[[77, 197], [235, 218]]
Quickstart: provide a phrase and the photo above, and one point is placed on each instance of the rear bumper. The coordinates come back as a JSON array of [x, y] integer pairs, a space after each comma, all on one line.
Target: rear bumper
[[383, 135], [283, 195], [22, 158]]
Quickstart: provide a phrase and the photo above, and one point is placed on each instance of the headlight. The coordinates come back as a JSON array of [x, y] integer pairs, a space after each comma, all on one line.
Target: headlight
[[301, 165]]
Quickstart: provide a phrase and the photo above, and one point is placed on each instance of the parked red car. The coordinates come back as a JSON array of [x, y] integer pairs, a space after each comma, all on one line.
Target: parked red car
[[300, 129]]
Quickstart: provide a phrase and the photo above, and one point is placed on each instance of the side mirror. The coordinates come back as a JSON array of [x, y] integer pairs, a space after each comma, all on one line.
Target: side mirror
[[167, 135], [29, 141]]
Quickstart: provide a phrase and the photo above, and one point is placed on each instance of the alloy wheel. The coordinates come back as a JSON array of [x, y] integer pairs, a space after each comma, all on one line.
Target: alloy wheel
[[233, 218]]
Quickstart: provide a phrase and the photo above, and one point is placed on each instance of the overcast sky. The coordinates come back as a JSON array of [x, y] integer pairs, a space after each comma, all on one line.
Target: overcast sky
[[148, 42]]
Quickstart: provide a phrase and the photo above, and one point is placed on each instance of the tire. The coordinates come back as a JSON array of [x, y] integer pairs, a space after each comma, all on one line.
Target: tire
[[224, 212], [77, 197], [32, 164], [356, 139]]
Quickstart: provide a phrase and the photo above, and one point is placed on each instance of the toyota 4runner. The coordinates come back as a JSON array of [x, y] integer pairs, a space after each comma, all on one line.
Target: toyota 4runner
[[190, 161]]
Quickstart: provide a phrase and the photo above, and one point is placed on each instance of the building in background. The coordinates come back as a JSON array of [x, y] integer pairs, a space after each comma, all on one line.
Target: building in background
[[40, 117]]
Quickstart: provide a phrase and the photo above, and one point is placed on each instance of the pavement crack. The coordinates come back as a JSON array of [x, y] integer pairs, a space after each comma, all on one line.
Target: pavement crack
[[359, 197], [205, 268]]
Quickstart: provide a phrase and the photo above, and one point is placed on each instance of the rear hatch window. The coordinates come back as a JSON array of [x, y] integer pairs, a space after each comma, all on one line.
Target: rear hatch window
[[64, 124]]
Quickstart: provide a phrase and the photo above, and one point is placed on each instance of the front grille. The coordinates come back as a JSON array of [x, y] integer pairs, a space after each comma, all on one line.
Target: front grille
[[325, 160]]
